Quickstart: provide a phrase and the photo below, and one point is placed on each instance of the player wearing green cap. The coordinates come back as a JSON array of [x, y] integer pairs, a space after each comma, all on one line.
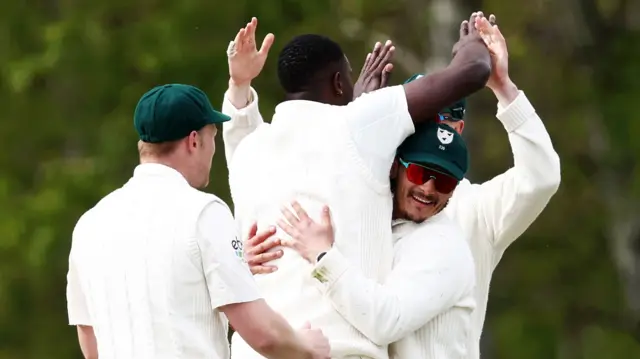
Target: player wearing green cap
[[324, 147], [495, 213], [152, 266]]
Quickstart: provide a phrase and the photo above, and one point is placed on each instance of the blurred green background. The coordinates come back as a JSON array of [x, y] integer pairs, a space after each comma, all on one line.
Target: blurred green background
[[72, 71]]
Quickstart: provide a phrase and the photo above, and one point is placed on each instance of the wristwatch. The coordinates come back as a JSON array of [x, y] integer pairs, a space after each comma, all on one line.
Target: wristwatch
[[319, 257]]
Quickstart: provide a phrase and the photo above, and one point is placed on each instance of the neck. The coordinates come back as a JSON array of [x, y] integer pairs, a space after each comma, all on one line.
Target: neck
[[168, 161], [305, 95]]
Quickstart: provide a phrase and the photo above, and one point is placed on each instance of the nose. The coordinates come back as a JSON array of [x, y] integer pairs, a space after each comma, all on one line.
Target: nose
[[429, 186]]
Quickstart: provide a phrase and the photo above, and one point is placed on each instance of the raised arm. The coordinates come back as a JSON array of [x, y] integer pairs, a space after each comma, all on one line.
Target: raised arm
[[381, 120], [233, 291], [507, 205], [467, 73], [433, 271], [241, 100]]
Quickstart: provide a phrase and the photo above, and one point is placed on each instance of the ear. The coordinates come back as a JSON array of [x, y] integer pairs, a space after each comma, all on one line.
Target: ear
[[394, 169], [460, 127], [193, 141], [337, 84]]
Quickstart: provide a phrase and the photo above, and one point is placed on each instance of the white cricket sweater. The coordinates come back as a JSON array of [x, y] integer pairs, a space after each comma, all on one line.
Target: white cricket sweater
[[311, 153], [426, 302], [494, 214]]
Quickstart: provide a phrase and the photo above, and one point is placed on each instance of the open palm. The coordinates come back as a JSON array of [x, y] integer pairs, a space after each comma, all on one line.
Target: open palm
[[497, 46], [245, 61]]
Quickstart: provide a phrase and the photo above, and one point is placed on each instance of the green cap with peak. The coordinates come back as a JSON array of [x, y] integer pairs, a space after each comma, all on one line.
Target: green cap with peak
[[457, 110], [436, 145], [170, 112]]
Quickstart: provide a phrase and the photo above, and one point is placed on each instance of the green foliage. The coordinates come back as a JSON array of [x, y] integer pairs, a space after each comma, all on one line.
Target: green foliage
[[71, 73]]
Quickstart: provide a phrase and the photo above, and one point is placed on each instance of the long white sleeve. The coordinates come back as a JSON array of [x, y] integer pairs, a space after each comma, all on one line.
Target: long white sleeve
[[243, 122], [433, 270], [501, 209]]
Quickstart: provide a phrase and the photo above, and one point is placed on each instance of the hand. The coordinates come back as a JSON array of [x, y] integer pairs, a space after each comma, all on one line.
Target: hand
[[376, 69], [316, 342], [468, 33], [245, 61], [497, 46], [307, 237], [257, 250]]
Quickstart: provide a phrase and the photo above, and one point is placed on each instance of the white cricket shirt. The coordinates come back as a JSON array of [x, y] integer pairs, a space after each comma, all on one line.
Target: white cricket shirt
[[149, 265], [320, 154]]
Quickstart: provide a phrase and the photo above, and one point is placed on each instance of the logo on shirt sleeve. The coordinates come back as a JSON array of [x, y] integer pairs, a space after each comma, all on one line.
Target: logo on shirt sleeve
[[238, 248]]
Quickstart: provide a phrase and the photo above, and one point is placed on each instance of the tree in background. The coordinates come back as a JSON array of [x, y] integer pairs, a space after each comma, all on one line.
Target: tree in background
[[70, 73]]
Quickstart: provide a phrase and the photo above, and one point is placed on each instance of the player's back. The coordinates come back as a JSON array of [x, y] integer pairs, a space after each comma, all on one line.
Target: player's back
[[139, 266], [307, 155]]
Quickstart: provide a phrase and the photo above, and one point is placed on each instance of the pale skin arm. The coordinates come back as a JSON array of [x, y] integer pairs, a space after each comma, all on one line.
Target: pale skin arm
[[87, 340], [510, 202]]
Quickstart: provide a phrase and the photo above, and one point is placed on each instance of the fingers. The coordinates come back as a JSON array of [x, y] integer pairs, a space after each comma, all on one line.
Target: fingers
[[375, 54], [386, 74], [289, 216], [492, 19], [266, 44], [300, 212], [256, 237], [464, 28], [262, 269], [367, 60], [260, 259], [471, 28], [325, 216], [253, 230], [288, 229], [384, 56], [259, 243], [239, 40]]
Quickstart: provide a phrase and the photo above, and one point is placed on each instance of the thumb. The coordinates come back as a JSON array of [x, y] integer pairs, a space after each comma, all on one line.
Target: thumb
[[325, 216], [266, 44], [306, 325]]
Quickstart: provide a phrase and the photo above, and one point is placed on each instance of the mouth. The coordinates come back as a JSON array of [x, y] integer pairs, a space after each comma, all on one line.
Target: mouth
[[422, 200]]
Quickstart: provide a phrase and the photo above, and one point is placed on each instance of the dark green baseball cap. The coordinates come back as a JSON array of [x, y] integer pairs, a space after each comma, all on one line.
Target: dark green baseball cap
[[436, 145], [457, 110], [170, 112]]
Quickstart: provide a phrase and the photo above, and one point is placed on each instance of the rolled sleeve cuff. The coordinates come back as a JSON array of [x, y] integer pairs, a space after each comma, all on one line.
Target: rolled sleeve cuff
[[329, 269], [516, 113], [243, 116]]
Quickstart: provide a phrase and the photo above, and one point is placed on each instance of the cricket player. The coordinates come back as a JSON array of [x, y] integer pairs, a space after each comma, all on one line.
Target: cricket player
[[322, 149], [152, 270], [495, 213]]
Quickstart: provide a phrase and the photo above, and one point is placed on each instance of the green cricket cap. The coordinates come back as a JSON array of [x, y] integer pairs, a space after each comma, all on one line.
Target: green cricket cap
[[170, 112], [457, 109], [436, 145]]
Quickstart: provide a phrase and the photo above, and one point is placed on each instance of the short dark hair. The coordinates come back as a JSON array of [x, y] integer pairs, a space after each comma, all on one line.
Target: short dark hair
[[303, 58]]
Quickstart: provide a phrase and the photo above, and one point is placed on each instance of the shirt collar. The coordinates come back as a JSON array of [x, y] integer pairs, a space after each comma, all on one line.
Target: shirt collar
[[294, 109], [157, 170]]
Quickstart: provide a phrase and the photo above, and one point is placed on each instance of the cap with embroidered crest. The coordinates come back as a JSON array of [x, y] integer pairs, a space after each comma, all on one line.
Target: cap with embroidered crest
[[170, 112], [457, 110], [437, 146]]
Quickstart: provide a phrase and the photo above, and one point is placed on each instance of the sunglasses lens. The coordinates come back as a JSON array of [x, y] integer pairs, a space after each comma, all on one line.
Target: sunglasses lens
[[419, 175]]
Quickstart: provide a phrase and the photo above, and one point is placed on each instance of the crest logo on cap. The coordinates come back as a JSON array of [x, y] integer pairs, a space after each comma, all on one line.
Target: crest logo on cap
[[445, 137]]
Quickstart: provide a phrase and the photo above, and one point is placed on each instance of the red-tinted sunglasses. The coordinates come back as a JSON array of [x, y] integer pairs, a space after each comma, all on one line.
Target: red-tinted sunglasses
[[420, 175]]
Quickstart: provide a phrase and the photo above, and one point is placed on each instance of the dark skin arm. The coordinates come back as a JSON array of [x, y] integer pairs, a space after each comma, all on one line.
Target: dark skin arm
[[467, 73]]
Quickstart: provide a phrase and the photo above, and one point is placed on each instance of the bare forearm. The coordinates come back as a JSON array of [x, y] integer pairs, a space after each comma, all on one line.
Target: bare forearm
[[506, 93], [266, 331], [239, 94], [468, 73], [284, 343], [88, 343]]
